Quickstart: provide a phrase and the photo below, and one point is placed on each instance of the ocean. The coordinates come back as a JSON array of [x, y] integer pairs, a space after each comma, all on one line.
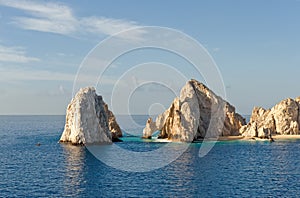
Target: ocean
[[34, 164]]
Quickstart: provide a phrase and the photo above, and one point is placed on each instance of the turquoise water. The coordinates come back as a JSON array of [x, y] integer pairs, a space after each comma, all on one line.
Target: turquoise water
[[230, 169]]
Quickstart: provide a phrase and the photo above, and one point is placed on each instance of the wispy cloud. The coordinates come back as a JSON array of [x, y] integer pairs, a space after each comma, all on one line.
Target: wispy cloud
[[15, 54], [109, 26], [216, 49], [11, 75], [59, 18], [46, 17]]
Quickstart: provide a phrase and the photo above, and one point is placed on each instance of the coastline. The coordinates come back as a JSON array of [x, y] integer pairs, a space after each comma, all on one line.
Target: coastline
[[237, 138], [275, 137], [286, 137]]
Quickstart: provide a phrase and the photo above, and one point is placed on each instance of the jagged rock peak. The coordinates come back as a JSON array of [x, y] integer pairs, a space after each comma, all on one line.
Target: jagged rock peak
[[88, 120], [283, 119], [197, 113]]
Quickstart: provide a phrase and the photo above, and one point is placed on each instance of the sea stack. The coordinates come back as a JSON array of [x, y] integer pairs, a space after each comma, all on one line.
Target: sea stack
[[282, 119], [89, 121], [197, 113]]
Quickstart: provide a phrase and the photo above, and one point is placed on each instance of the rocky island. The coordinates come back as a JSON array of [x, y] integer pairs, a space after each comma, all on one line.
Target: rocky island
[[89, 121], [282, 119], [197, 113]]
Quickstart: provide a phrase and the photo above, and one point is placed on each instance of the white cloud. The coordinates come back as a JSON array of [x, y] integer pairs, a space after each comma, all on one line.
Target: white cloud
[[45, 17], [13, 75], [45, 25], [59, 18], [216, 49], [15, 54], [40, 9], [110, 26], [64, 54], [61, 89]]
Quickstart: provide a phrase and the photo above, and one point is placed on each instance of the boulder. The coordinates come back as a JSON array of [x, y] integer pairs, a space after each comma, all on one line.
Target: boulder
[[196, 113], [283, 118], [249, 130], [89, 121]]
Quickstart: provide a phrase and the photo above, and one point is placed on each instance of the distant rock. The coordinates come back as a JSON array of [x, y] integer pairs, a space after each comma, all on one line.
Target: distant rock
[[89, 121], [196, 114], [283, 119]]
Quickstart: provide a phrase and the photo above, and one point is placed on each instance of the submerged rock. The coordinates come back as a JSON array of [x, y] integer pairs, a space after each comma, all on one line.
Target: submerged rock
[[283, 118], [196, 114], [89, 121]]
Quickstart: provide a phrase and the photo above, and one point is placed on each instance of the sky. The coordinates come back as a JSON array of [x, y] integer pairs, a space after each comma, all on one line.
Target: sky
[[255, 45]]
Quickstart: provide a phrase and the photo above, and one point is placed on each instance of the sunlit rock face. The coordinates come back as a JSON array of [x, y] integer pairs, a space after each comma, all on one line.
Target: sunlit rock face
[[197, 113], [89, 121], [283, 118]]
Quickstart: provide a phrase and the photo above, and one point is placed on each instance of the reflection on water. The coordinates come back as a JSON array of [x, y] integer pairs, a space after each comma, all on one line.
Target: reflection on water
[[140, 160], [231, 168], [180, 175], [74, 162]]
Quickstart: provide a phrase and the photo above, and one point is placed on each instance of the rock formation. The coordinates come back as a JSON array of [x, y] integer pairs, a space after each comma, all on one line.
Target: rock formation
[[283, 118], [196, 114], [89, 121]]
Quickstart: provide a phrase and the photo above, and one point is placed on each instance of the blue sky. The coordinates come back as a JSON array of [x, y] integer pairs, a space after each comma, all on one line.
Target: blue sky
[[255, 44]]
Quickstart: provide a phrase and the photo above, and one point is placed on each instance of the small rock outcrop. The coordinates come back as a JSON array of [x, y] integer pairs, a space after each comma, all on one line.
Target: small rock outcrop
[[283, 119], [89, 121], [196, 114]]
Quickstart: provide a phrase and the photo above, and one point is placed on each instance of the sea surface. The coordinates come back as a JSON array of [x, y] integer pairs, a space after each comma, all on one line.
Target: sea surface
[[34, 164]]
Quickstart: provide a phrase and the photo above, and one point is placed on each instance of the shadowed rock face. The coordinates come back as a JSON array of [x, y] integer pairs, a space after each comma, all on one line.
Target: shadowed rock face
[[196, 114], [89, 121], [283, 118]]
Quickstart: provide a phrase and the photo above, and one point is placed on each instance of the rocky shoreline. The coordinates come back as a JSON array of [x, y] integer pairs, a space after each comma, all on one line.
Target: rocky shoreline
[[243, 138], [197, 107], [282, 119], [197, 114]]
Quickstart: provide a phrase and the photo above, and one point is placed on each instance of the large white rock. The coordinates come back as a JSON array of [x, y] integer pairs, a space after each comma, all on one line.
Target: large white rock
[[283, 118], [286, 116], [197, 113], [88, 120]]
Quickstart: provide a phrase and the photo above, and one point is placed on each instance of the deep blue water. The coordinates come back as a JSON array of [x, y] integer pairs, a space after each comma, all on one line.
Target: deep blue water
[[230, 169]]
